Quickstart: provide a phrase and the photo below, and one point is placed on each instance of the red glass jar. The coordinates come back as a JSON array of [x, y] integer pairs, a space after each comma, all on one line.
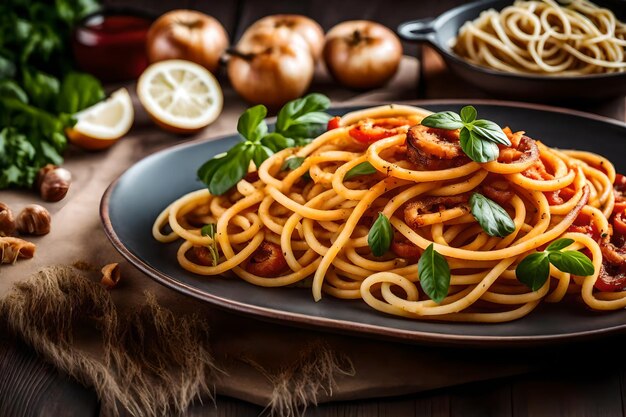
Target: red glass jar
[[111, 44]]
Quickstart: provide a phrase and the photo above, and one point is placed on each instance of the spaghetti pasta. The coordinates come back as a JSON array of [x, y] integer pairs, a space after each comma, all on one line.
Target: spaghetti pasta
[[280, 227], [543, 37]]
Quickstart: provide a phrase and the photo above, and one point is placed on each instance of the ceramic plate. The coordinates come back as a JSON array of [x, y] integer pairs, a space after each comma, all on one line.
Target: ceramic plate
[[132, 202]]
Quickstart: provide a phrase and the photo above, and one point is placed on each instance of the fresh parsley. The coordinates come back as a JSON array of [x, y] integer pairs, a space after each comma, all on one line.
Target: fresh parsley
[[494, 220], [364, 168], [434, 274], [380, 235], [534, 269], [297, 122], [209, 230], [38, 89], [479, 139]]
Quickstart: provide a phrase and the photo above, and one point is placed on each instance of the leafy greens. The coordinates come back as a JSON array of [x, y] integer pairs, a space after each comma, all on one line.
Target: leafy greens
[[38, 89]]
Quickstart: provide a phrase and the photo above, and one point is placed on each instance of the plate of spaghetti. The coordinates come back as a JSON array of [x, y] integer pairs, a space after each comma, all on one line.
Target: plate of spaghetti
[[438, 222]]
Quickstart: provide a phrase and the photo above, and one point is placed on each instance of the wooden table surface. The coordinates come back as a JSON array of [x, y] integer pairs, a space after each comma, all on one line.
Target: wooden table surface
[[589, 388]]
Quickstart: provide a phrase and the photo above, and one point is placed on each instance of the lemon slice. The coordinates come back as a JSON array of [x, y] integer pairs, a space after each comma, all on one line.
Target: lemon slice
[[180, 96], [102, 124]]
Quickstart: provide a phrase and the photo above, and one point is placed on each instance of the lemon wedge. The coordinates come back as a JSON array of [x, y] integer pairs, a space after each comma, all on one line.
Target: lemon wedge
[[180, 96], [102, 124]]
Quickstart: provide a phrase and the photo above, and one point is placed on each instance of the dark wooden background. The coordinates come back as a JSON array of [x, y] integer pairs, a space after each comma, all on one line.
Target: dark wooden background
[[588, 383]]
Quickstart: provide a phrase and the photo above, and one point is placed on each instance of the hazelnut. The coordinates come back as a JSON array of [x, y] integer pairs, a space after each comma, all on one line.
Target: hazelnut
[[42, 173], [7, 222], [53, 182], [34, 220]]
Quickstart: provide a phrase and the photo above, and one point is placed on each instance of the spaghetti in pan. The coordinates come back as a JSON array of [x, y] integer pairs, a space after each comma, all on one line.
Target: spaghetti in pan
[[390, 206], [566, 38]]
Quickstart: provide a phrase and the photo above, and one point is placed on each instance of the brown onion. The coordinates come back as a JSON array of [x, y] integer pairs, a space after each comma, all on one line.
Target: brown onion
[[188, 35], [271, 67], [362, 54], [309, 29]]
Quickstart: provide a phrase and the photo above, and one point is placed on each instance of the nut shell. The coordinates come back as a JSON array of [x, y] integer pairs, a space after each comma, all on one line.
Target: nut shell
[[54, 183], [110, 275], [42, 173], [7, 221], [34, 220]]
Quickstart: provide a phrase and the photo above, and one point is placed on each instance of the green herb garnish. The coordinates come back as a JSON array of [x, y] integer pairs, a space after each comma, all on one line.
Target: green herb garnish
[[38, 89], [298, 121], [434, 274], [380, 235], [494, 220], [364, 168], [292, 163], [209, 230], [478, 138], [534, 269]]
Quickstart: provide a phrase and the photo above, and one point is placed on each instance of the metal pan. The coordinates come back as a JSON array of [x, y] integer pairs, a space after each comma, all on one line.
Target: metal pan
[[439, 33]]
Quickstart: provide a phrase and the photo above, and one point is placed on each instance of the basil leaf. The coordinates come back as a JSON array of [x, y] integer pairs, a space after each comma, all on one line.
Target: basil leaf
[[573, 262], [468, 114], [303, 132], [277, 142], [494, 220], [477, 149], [490, 131], [364, 168], [304, 118], [232, 170], [261, 153], [443, 120], [293, 111], [534, 270], [434, 274], [559, 244], [292, 163], [380, 235], [209, 230], [208, 169], [251, 124]]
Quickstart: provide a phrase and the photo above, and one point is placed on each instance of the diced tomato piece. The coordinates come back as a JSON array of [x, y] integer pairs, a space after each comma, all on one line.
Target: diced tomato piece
[[584, 224], [334, 123], [619, 223], [611, 278], [620, 183], [368, 131]]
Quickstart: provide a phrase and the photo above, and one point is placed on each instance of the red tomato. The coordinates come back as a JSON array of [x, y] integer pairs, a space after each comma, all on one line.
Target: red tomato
[[583, 224], [405, 249], [619, 222], [619, 207], [612, 280], [620, 182], [369, 131], [334, 123]]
